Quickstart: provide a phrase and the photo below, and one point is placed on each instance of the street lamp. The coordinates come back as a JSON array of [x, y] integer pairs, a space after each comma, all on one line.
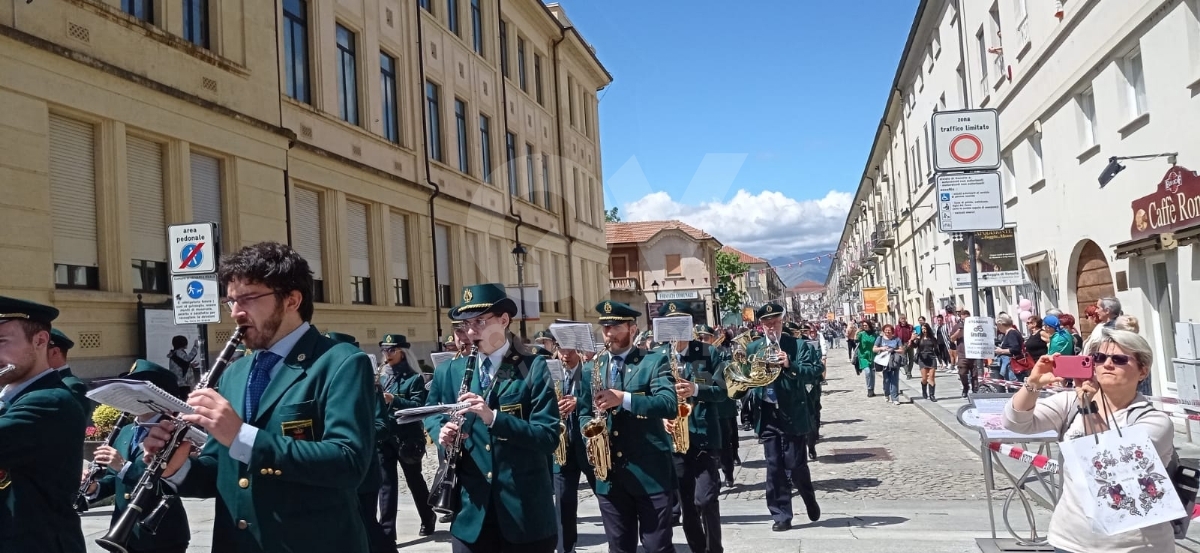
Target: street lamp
[[654, 286], [519, 255]]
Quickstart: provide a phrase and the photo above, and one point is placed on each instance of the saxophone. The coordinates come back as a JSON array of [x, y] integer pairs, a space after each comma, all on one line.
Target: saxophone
[[681, 434], [599, 446], [560, 452]]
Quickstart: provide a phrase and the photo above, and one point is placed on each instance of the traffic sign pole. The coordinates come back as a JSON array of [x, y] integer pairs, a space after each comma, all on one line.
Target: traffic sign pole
[[974, 297]]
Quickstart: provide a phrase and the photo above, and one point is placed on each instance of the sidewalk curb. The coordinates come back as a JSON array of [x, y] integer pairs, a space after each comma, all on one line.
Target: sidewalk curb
[[970, 438]]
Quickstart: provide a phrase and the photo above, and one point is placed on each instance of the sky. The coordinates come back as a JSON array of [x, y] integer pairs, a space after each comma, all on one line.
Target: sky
[[750, 120]]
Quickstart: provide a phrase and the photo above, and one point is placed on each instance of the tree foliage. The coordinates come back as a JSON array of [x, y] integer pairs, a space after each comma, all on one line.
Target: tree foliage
[[611, 216], [729, 296]]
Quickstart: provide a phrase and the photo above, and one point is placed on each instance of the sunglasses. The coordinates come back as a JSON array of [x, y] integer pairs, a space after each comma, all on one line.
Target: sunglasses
[[1118, 359]]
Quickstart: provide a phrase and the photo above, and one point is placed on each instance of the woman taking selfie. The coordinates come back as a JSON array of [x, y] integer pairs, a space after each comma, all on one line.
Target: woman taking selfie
[[1120, 359]]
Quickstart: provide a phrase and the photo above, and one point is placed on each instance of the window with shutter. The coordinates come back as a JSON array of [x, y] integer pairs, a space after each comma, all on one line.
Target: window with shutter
[[442, 253], [497, 261], [402, 294], [306, 235], [674, 265], [360, 264], [73, 203], [206, 189]]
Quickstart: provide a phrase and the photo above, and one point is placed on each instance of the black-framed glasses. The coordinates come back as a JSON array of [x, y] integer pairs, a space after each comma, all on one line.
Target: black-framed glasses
[[387, 351], [1118, 359], [244, 300], [478, 322]]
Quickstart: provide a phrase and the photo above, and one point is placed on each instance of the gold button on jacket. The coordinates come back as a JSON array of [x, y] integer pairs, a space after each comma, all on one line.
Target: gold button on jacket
[[244, 483]]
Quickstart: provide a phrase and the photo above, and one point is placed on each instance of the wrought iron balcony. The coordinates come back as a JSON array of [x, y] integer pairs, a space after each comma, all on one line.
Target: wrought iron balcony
[[884, 237], [625, 284]]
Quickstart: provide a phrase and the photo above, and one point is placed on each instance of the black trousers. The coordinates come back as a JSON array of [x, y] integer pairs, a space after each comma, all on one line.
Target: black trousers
[[699, 485], [629, 517], [566, 494], [377, 542], [785, 454], [389, 457], [851, 347], [491, 540], [729, 434]]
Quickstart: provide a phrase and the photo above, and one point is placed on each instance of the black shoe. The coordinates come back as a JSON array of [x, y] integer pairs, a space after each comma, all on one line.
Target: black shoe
[[729, 482], [814, 510], [932, 396], [446, 519], [737, 460], [870, 393], [781, 526], [426, 529], [812, 453]]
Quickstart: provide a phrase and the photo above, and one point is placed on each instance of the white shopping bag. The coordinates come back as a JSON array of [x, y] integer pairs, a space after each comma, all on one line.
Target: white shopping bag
[[1120, 480]]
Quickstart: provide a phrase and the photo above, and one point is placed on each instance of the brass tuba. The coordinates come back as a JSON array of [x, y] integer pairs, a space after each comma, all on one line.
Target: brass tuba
[[681, 434], [744, 372], [599, 445]]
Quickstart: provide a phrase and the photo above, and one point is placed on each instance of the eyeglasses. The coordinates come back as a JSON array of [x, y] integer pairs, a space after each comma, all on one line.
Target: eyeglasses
[[1118, 359], [244, 300], [387, 351], [478, 322]]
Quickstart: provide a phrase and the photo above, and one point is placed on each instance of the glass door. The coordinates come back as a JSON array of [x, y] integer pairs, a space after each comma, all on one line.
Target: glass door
[[1164, 320]]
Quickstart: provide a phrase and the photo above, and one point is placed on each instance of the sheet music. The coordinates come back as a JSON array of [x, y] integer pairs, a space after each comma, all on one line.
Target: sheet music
[[556, 369], [576, 336], [673, 329], [439, 357], [137, 397]]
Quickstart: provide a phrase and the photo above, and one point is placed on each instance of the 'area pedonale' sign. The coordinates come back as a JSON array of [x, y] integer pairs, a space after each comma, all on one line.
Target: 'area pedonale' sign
[[1175, 204]]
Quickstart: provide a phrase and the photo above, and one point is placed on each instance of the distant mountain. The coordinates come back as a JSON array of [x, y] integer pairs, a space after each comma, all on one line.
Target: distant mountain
[[810, 270]]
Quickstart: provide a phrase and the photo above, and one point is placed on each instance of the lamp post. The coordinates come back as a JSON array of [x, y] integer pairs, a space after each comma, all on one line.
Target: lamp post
[[654, 286], [519, 255]]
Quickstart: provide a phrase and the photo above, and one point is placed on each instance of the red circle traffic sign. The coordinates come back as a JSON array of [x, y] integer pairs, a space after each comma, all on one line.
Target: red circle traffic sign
[[970, 157]]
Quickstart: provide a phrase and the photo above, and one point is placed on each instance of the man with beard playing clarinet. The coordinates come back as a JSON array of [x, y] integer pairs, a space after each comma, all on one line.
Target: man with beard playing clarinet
[[509, 435], [291, 429], [783, 417], [638, 393], [703, 387]]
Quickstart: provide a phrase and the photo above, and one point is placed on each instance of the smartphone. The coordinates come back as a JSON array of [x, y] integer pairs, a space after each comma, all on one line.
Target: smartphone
[[1073, 366]]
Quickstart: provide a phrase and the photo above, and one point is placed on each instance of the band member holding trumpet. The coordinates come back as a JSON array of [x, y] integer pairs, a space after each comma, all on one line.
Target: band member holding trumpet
[[700, 388], [631, 390], [402, 444], [41, 434], [782, 411], [510, 432], [291, 427], [125, 466], [566, 475], [727, 411]]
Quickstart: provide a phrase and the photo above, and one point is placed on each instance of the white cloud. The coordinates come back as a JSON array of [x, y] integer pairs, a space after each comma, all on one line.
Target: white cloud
[[768, 224]]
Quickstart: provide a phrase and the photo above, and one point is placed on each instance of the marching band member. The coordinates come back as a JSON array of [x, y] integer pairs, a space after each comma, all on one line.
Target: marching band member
[[292, 426], [726, 412], [783, 417], [639, 391], [125, 467], [546, 345], [702, 386], [566, 476], [402, 444], [41, 438], [510, 433], [56, 356]]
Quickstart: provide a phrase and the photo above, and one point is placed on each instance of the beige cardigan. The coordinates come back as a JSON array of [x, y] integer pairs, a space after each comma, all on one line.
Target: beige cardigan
[[1069, 528]]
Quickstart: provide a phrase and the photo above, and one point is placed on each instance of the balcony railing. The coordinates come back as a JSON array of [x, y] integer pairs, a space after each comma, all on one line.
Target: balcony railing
[[625, 284], [884, 237], [1023, 32], [998, 68]]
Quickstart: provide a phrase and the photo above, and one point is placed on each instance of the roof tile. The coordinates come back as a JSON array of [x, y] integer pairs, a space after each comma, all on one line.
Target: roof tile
[[641, 231]]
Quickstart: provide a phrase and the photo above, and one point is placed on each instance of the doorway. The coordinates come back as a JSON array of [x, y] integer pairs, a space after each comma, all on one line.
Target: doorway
[[1093, 280], [1163, 284]]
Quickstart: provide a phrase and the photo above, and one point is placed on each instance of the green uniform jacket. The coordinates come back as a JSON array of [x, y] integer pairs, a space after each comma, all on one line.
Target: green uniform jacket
[[725, 409], [408, 391], [575, 442], [41, 457], [373, 480], [702, 365], [505, 468], [796, 412], [640, 446], [173, 532], [315, 445], [79, 389]]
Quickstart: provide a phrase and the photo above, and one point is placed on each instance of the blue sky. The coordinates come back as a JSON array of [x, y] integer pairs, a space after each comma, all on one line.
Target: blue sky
[[723, 109]]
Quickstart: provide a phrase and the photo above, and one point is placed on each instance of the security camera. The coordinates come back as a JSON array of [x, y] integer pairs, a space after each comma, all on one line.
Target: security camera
[[1110, 171]]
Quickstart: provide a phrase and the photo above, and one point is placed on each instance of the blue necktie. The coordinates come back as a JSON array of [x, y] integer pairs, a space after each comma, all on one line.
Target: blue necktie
[[769, 392], [485, 376], [615, 379], [138, 436], [260, 376]]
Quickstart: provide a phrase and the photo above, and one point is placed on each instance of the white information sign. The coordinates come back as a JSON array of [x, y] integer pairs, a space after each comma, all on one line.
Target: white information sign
[[197, 299], [966, 140], [979, 337], [193, 248], [532, 295], [969, 202], [677, 295]]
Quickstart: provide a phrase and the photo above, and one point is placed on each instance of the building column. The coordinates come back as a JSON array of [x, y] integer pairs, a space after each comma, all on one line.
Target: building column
[[112, 207]]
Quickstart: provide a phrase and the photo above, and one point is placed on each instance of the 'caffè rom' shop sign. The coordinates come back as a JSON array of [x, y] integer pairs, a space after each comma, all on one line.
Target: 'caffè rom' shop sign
[[1174, 205]]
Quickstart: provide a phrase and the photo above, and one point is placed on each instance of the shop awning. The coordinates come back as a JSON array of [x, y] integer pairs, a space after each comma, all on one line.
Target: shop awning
[[1155, 242], [1035, 258]]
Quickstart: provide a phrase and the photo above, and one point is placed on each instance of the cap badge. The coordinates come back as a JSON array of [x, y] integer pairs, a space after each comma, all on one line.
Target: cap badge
[[467, 295], [671, 307], [608, 307]]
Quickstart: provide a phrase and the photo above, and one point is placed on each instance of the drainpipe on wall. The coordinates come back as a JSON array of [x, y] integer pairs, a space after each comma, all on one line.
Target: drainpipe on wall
[[287, 156], [437, 191], [512, 200], [562, 177]]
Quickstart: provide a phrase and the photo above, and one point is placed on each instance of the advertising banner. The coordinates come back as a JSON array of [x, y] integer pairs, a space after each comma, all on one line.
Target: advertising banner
[[995, 257], [875, 301]]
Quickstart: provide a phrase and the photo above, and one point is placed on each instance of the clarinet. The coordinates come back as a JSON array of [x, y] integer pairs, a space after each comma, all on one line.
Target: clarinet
[[147, 488], [444, 498], [94, 468]]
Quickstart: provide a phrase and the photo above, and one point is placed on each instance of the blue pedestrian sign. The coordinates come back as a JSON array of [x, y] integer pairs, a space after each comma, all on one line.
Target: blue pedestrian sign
[[195, 289], [191, 256]]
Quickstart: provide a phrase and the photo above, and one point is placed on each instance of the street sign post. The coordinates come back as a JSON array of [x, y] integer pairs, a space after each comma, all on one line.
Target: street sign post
[[966, 140], [193, 248], [969, 202], [197, 299]]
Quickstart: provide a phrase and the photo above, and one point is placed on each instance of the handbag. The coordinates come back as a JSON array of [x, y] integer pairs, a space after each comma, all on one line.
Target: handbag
[[882, 359], [1120, 480], [1023, 362]]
